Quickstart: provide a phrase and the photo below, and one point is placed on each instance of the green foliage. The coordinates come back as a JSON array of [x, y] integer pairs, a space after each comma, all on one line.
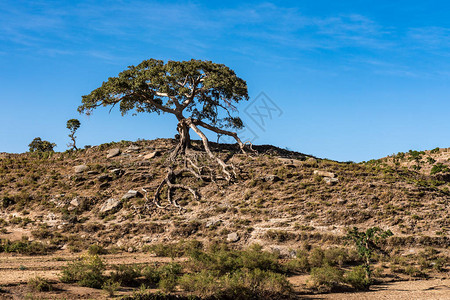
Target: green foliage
[[439, 168], [86, 271], [126, 275], [199, 87], [168, 275], [38, 145], [179, 249], [39, 284], [327, 278], [222, 260], [23, 246], [96, 249], [357, 278], [110, 286]]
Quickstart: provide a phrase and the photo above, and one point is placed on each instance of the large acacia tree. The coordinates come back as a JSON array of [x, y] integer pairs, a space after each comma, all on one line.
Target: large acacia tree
[[200, 94]]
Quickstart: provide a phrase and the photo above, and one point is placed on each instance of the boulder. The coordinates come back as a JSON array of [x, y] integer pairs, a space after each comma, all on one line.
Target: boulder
[[75, 202], [152, 154], [131, 194], [133, 148], [324, 173], [80, 168], [113, 152], [110, 205], [330, 181], [233, 237], [272, 178]]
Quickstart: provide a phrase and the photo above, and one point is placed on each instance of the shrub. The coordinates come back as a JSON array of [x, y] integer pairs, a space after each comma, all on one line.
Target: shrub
[[357, 278], [204, 283], [23, 246], [97, 250], [169, 276], [87, 271], [39, 284], [111, 286], [126, 275], [38, 145], [254, 284], [327, 278]]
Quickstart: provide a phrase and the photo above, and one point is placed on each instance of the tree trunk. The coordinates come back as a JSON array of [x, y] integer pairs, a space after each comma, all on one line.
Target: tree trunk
[[185, 138]]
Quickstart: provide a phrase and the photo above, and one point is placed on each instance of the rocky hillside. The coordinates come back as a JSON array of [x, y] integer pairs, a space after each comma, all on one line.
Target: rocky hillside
[[74, 199]]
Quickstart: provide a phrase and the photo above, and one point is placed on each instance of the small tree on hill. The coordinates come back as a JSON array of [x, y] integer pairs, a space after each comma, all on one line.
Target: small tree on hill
[[73, 125], [367, 242], [38, 145], [199, 94]]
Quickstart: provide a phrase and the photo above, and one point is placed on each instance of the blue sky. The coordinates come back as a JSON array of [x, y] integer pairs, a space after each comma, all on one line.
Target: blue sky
[[354, 80]]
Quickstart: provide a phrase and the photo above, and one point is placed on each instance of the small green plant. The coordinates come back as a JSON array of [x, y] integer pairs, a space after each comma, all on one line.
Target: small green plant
[[96, 249], [39, 284], [111, 286]]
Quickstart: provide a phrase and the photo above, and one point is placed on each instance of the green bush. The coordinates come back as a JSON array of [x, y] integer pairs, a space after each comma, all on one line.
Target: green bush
[[111, 286], [254, 284], [23, 246], [204, 284], [327, 278], [152, 275], [126, 275], [39, 284], [86, 271], [169, 276], [97, 250], [357, 278]]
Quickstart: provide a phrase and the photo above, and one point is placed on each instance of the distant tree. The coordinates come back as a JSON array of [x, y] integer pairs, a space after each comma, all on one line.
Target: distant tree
[[38, 145], [73, 125], [200, 94]]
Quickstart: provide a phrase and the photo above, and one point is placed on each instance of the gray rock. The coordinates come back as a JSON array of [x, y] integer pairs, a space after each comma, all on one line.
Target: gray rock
[[152, 154], [233, 237], [92, 172], [131, 194], [113, 153], [310, 162], [290, 161], [110, 205], [324, 173], [133, 148], [272, 178], [75, 202], [330, 181], [80, 168]]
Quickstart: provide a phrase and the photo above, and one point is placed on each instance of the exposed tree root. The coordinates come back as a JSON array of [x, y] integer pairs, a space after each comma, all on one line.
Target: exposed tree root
[[183, 160]]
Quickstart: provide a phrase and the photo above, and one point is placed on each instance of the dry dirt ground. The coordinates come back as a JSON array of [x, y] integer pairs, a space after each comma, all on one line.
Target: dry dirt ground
[[15, 271]]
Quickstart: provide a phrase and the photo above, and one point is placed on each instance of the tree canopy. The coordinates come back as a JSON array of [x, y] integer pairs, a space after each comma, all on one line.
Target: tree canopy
[[202, 89]]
